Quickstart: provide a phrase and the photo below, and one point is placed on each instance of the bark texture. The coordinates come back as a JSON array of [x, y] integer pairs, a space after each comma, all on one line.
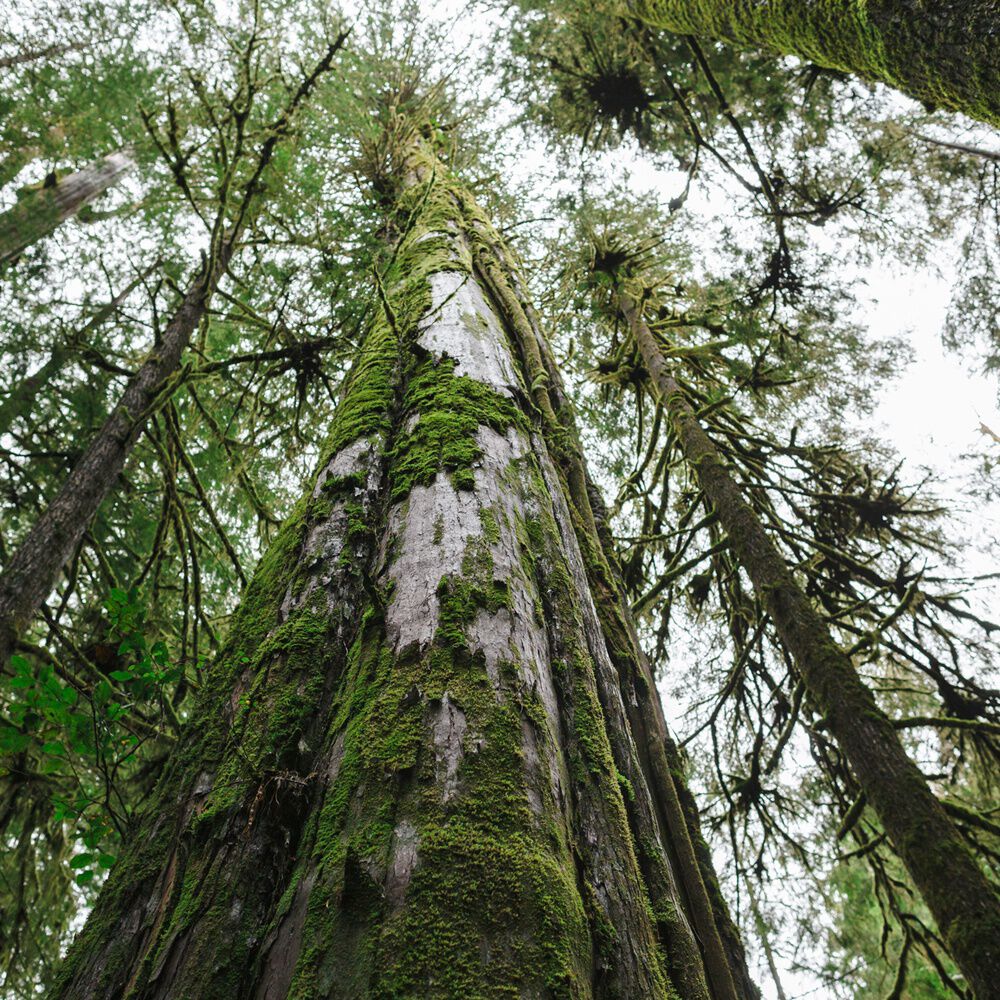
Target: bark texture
[[41, 210], [957, 892], [413, 772], [944, 54]]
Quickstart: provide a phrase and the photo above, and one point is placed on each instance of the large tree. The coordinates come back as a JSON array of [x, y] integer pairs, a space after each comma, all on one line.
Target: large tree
[[431, 759]]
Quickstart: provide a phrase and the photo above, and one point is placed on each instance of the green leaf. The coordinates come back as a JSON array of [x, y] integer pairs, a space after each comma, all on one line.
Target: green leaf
[[55, 747], [120, 675], [11, 741], [81, 860], [82, 878], [107, 860]]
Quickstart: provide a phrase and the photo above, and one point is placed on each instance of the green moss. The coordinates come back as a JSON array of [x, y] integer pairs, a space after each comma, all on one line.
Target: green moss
[[942, 54], [450, 411], [488, 870], [474, 887], [491, 528]]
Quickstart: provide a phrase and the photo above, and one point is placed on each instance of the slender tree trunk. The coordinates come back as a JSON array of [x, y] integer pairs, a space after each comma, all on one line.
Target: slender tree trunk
[[21, 396], [964, 904], [945, 54], [33, 570], [413, 771], [41, 210]]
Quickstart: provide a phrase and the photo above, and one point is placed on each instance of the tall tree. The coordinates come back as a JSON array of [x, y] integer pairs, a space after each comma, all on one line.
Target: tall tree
[[32, 571], [942, 54], [431, 758]]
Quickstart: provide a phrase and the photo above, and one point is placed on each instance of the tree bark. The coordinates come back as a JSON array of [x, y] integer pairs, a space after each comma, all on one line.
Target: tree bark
[[412, 772], [41, 210], [944, 54], [964, 904]]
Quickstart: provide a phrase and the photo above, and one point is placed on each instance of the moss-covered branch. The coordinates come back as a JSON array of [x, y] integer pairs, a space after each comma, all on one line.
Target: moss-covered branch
[[958, 894], [944, 54]]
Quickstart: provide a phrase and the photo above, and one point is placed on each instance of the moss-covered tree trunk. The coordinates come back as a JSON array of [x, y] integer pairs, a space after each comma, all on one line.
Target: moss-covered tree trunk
[[427, 763], [964, 904], [945, 54], [40, 211]]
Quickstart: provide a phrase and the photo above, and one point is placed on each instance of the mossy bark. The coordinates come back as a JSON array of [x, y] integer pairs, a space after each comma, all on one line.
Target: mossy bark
[[944, 54], [412, 771], [964, 904], [40, 211]]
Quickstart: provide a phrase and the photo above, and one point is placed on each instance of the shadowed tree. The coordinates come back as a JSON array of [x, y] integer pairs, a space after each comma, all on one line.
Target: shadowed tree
[[32, 571], [21, 395]]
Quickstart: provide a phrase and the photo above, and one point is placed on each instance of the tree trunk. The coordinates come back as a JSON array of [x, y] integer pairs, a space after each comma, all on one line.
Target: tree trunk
[[944, 54], [413, 771], [41, 210], [33, 570], [964, 904]]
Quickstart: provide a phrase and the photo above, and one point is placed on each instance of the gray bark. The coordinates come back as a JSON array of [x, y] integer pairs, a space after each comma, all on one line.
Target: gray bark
[[407, 775], [41, 210]]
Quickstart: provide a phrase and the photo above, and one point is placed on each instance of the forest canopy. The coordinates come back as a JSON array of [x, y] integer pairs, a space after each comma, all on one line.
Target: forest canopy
[[468, 523]]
